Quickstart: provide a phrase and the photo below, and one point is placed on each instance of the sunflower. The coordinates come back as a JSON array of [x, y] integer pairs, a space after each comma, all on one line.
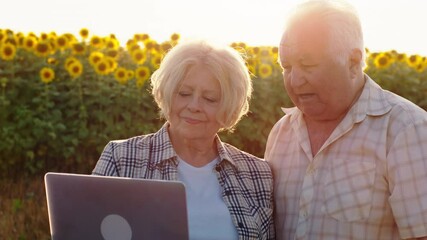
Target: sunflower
[[401, 57], [383, 60], [71, 38], [21, 39], [78, 48], [142, 73], [136, 37], [422, 64], [130, 74], [239, 47], [121, 75], [141, 37], [69, 61], [130, 43], [96, 42], [44, 36], [413, 60], [94, 57], [75, 69], [43, 48], [275, 54], [112, 53], [265, 52], [253, 50], [265, 70], [156, 60], [275, 50], [62, 42], [11, 39], [252, 70], [139, 56], [47, 74], [165, 47], [252, 61], [242, 45], [373, 55], [133, 48], [52, 61], [175, 37], [84, 33], [150, 45], [145, 36], [112, 64], [7, 51], [2, 35], [32, 34], [102, 67], [112, 43]]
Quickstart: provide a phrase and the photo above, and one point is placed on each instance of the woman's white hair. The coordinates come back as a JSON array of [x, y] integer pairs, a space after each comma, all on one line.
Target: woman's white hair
[[342, 21], [225, 63]]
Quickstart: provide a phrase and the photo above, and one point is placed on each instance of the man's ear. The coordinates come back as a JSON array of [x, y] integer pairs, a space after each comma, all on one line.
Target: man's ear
[[355, 61]]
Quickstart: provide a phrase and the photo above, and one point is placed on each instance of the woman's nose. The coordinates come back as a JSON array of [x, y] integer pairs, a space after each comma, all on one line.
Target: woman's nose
[[194, 104]]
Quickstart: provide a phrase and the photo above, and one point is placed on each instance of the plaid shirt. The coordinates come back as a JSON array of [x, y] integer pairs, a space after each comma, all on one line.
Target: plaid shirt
[[368, 181], [246, 181]]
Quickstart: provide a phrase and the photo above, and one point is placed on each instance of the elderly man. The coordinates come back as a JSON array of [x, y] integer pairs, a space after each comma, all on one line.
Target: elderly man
[[350, 160]]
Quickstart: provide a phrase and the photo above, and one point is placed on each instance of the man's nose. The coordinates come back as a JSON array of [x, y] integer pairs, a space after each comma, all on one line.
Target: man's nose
[[296, 77]]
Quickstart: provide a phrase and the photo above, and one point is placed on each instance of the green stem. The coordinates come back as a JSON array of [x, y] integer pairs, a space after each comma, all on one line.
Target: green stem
[[83, 113]]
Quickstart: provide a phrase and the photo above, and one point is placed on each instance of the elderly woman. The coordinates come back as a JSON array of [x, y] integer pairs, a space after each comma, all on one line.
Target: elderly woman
[[201, 90]]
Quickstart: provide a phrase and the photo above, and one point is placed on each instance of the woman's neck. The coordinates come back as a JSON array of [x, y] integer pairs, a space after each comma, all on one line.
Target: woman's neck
[[196, 152]]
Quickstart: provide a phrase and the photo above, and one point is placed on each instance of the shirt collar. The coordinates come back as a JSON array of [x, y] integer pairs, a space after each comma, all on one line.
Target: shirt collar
[[372, 102], [162, 150]]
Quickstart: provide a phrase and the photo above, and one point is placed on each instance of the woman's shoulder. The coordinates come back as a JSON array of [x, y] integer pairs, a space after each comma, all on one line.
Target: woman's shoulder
[[242, 158], [131, 141]]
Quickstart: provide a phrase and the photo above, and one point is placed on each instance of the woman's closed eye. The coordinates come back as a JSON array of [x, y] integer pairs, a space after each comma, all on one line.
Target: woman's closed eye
[[211, 99], [184, 94]]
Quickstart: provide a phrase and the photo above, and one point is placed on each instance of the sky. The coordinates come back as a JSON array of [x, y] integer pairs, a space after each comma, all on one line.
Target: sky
[[387, 24]]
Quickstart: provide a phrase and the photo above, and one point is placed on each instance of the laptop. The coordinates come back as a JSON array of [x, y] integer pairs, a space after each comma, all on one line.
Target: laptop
[[100, 207]]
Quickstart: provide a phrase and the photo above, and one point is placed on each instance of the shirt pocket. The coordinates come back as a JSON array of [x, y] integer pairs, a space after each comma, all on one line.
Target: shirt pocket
[[348, 191]]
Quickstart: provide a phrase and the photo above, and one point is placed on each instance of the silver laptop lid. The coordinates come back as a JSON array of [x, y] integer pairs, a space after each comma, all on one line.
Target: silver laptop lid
[[100, 207]]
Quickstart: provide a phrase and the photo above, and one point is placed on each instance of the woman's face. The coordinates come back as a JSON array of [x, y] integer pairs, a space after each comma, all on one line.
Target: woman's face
[[195, 105]]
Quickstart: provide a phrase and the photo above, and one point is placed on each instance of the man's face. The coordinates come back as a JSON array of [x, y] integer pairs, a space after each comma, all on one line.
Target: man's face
[[318, 84]]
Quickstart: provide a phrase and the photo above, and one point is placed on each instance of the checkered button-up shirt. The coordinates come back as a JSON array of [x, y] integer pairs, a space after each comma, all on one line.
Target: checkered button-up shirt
[[246, 181], [368, 180]]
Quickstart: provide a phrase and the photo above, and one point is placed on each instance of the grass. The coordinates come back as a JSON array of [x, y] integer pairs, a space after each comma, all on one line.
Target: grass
[[23, 209]]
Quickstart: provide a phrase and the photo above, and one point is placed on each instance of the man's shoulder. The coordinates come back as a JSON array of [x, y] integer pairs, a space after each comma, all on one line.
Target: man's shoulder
[[405, 110], [382, 101], [285, 121]]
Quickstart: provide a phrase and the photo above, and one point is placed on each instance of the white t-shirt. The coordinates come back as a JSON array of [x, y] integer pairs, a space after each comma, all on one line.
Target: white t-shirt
[[208, 216]]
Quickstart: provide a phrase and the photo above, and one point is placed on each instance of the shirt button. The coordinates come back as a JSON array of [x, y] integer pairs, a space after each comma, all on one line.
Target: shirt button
[[311, 169], [304, 213], [227, 192], [240, 225]]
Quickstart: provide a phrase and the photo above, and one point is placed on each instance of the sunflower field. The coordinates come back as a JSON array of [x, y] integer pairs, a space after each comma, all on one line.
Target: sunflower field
[[63, 97]]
